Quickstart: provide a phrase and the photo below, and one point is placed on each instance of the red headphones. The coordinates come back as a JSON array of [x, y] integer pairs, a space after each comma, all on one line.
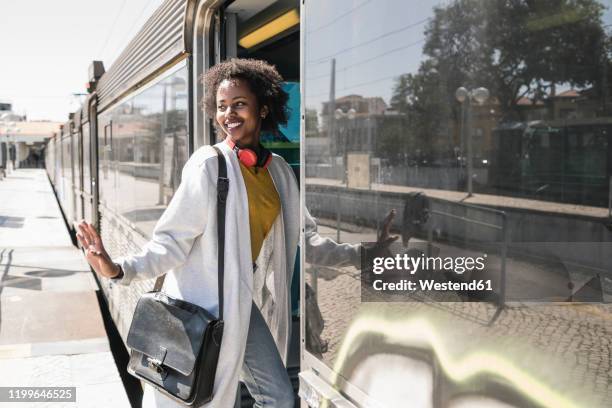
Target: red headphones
[[249, 158]]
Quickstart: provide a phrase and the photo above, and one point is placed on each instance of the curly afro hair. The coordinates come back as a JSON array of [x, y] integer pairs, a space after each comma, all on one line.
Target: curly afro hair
[[263, 79]]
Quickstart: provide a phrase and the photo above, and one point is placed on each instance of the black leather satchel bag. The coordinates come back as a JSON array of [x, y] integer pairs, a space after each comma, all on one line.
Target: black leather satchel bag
[[175, 344]]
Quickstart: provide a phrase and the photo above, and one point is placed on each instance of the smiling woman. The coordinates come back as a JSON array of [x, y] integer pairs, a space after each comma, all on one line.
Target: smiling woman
[[244, 97]]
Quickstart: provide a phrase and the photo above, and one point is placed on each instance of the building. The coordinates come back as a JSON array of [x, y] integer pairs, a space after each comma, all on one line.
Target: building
[[22, 142]]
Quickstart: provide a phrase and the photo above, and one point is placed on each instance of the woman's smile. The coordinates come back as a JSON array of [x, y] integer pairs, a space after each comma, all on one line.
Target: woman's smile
[[232, 125]]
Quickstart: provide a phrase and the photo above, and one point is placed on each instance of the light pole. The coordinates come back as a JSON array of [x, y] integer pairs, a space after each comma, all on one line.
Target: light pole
[[339, 114], [464, 96]]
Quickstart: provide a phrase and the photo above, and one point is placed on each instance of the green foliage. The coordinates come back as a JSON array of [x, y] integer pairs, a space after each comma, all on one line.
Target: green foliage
[[515, 48]]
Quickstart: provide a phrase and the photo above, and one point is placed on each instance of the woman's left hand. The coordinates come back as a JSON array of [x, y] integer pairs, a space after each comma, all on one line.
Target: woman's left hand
[[385, 238]]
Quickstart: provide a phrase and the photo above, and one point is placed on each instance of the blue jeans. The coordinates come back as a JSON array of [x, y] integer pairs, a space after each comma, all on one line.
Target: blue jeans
[[263, 371]]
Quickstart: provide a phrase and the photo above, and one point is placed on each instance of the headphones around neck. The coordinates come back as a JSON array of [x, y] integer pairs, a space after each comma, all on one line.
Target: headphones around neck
[[249, 158]]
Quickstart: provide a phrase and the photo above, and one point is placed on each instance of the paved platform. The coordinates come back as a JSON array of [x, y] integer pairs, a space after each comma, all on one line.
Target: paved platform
[[51, 328], [478, 199]]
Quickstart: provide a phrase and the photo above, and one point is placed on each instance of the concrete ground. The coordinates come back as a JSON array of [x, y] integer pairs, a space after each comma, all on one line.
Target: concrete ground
[[51, 328]]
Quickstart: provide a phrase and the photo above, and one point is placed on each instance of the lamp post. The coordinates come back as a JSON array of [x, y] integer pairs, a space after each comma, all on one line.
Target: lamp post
[[465, 97], [350, 115]]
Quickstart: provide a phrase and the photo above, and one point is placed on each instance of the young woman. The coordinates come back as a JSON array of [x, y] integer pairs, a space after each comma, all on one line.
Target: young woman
[[245, 98]]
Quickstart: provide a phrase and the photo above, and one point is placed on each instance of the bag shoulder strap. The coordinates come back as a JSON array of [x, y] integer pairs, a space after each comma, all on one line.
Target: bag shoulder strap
[[222, 189]]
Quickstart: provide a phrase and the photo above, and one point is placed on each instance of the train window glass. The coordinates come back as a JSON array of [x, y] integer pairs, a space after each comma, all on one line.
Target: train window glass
[[123, 134], [145, 150], [158, 124], [106, 180], [476, 121]]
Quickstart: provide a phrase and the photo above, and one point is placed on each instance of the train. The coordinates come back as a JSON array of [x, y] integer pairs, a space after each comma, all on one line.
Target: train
[[563, 160], [362, 78]]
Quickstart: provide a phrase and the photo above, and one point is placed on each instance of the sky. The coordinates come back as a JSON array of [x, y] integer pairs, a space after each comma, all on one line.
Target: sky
[[47, 47], [369, 57]]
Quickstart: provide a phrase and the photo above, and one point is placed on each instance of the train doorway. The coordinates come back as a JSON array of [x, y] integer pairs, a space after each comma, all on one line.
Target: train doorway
[[270, 31]]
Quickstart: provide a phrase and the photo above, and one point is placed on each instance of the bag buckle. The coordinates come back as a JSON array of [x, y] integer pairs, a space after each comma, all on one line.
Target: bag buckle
[[155, 364]]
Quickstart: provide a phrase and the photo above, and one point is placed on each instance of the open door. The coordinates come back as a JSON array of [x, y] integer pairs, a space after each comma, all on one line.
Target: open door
[[270, 31]]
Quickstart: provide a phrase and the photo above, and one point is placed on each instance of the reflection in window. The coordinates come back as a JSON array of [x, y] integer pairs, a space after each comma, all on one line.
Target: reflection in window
[[143, 149], [497, 115], [159, 128]]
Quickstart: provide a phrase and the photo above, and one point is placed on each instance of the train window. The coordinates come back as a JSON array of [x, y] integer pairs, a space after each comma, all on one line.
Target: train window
[[485, 125], [146, 149], [158, 123], [122, 145]]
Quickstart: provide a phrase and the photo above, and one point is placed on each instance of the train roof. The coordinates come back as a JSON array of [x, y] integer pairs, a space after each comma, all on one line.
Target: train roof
[[163, 38]]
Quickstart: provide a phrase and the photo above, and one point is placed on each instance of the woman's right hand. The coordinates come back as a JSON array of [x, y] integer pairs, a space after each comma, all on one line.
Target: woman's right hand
[[95, 253]]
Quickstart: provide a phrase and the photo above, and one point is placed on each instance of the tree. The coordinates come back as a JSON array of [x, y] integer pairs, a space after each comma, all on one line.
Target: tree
[[515, 48], [423, 98]]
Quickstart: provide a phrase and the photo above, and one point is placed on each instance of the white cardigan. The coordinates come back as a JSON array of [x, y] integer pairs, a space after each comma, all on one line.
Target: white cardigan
[[184, 245]]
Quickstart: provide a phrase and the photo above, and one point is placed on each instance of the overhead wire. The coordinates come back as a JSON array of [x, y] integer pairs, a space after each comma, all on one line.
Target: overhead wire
[[371, 40], [412, 44], [110, 32], [321, 27], [138, 26]]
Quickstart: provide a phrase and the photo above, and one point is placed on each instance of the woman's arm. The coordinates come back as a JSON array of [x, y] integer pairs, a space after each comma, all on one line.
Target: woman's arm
[[327, 252], [181, 223], [174, 234]]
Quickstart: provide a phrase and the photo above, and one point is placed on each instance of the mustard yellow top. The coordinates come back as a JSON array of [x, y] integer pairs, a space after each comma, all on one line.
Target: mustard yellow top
[[264, 204]]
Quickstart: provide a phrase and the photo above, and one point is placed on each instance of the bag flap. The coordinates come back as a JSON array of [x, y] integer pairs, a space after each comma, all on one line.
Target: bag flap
[[168, 330]]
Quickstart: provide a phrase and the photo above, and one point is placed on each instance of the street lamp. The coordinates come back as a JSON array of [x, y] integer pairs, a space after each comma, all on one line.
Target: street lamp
[[465, 97], [339, 114]]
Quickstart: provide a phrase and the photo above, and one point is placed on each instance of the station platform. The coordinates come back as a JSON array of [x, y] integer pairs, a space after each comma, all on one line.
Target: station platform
[[51, 329]]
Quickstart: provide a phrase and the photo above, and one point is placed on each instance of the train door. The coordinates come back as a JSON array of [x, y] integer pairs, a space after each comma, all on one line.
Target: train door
[[58, 172], [94, 162], [71, 179], [77, 145], [64, 160], [86, 171], [270, 31]]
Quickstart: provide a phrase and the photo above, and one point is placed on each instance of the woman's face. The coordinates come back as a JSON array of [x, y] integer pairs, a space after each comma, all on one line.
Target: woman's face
[[238, 112]]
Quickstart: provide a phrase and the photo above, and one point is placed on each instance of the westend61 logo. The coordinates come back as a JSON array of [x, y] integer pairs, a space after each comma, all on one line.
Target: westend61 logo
[[398, 277]]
